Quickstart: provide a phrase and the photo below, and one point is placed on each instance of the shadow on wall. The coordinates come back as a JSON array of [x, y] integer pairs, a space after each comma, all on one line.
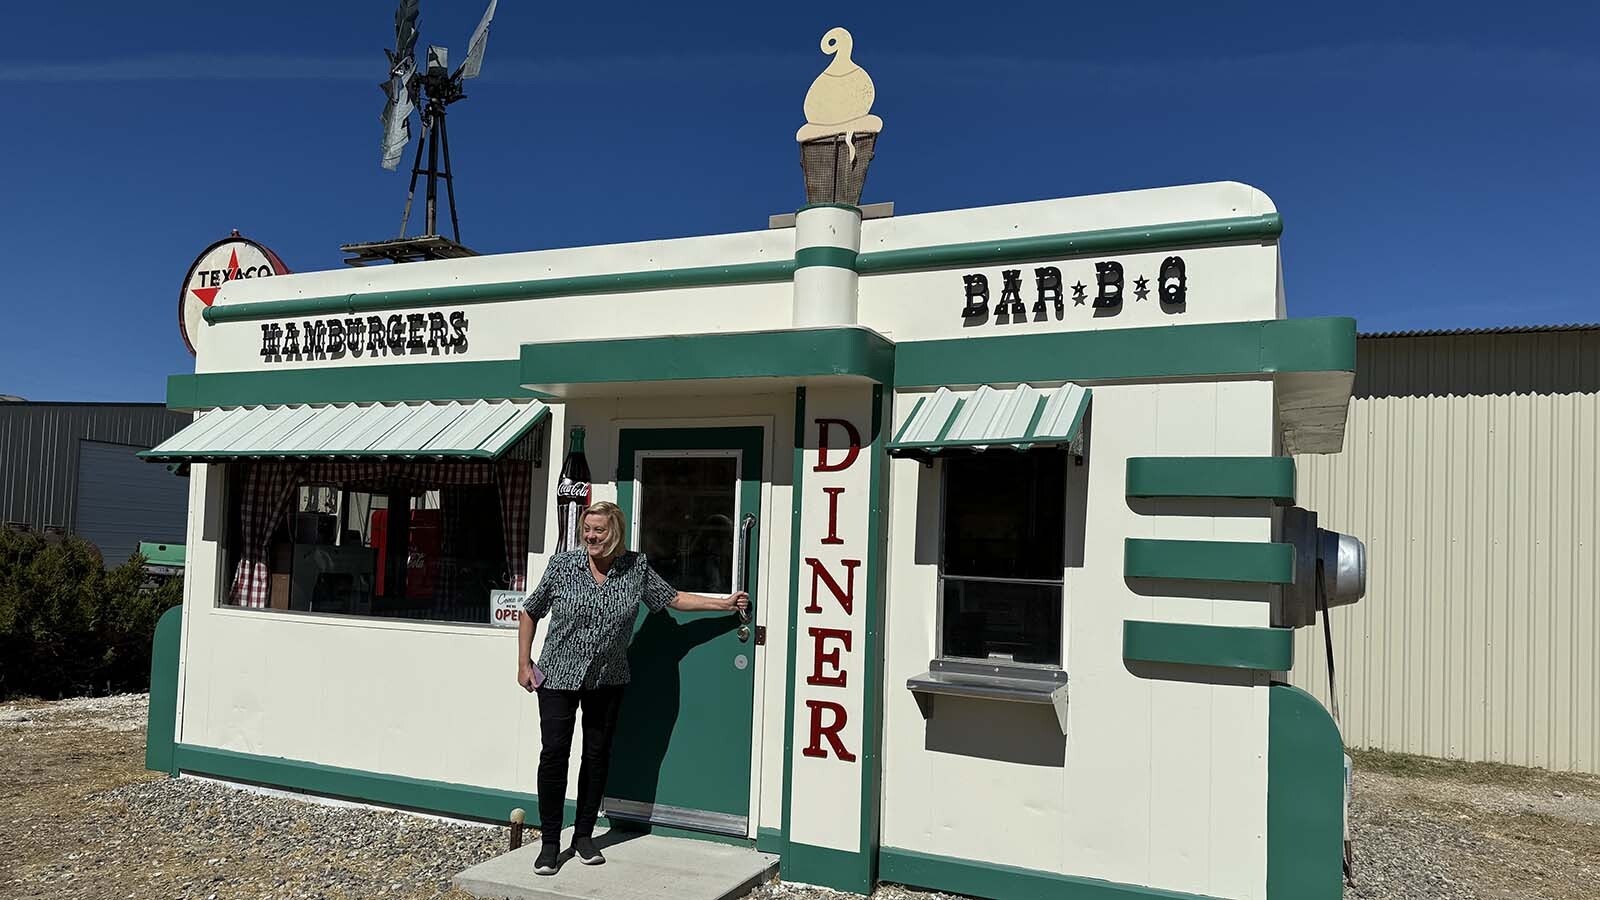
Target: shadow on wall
[[1022, 733]]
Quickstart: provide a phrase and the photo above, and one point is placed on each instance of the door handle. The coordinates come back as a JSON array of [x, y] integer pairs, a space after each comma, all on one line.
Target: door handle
[[746, 526]]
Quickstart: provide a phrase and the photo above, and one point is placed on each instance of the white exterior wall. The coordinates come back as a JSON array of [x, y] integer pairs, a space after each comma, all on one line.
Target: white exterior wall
[[1160, 781], [439, 701], [1157, 780]]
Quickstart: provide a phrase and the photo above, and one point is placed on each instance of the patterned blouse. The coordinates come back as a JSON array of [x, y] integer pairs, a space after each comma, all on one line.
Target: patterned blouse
[[591, 624]]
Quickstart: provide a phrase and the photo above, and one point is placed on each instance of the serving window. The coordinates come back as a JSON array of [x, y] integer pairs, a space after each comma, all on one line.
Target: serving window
[[1002, 556], [395, 539]]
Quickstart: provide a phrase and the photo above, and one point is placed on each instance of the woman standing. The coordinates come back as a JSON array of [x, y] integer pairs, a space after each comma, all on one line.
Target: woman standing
[[592, 597]]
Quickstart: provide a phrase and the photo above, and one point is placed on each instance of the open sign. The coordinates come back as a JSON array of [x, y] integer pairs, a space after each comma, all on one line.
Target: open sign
[[505, 608]]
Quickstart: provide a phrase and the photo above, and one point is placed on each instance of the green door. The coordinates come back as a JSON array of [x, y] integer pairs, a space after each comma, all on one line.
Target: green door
[[682, 752]]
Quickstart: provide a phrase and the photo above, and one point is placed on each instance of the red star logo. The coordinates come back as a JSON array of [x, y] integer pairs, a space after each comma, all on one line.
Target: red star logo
[[208, 295]]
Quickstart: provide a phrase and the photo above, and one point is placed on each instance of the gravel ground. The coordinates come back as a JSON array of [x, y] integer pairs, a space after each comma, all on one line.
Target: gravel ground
[[80, 818]]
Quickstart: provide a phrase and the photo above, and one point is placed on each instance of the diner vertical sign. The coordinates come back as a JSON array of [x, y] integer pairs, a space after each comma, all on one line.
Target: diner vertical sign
[[830, 671]]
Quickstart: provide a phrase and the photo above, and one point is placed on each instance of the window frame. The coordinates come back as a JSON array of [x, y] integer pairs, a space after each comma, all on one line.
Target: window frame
[[1074, 456]]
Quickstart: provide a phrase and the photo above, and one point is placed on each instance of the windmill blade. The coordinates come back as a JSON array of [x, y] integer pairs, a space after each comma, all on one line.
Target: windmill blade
[[405, 28], [397, 109], [476, 46], [396, 118]]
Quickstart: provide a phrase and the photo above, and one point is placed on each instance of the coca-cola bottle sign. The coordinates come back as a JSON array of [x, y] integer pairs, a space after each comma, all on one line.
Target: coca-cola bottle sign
[[572, 494]]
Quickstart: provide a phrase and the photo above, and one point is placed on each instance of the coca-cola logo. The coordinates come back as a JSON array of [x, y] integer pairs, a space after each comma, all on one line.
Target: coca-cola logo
[[576, 490]]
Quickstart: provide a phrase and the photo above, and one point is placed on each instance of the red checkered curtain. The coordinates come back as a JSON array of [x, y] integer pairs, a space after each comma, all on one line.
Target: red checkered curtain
[[514, 480], [268, 490]]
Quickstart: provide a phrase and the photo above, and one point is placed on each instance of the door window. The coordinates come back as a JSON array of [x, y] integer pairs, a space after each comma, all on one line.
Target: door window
[[687, 515]]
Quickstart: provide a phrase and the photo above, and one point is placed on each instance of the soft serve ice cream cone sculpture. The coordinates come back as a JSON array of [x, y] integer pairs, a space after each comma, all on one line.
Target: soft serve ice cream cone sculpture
[[840, 133]]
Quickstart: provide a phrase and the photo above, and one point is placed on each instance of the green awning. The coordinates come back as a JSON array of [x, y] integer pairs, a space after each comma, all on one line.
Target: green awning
[[1017, 418], [484, 429]]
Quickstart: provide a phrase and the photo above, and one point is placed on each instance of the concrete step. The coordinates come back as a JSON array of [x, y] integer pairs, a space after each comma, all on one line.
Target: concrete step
[[638, 867]]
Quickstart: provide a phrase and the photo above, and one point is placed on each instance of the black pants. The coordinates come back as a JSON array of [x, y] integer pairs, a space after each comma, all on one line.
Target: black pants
[[558, 711]]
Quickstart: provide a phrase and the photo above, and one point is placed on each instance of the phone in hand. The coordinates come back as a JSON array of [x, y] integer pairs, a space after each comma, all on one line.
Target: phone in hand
[[538, 676]]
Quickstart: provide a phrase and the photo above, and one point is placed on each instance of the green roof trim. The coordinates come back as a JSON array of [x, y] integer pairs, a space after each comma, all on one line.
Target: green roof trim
[[789, 353], [498, 292], [1219, 477], [1219, 646], [1242, 561], [1265, 227], [1164, 351], [1176, 235]]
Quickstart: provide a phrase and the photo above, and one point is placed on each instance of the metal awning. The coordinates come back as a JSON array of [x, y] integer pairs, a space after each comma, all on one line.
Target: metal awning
[[483, 429], [1019, 418]]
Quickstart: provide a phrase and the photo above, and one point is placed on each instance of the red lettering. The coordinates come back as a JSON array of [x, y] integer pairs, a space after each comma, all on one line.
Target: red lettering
[[850, 454], [821, 657], [833, 515], [829, 731], [846, 596]]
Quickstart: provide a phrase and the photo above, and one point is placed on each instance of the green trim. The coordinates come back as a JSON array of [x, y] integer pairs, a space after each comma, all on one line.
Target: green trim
[[769, 840], [163, 554], [161, 720], [871, 757], [992, 880], [850, 206], [1165, 351], [398, 791], [1246, 561], [418, 794], [1220, 646], [1053, 246], [794, 612], [1056, 246], [531, 289], [1305, 798], [799, 353], [826, 867], [385, 383], [1236, 477], [835, 257]]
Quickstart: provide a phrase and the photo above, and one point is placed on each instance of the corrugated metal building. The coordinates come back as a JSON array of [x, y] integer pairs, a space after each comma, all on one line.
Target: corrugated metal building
[[1470, 470], [71, 466]]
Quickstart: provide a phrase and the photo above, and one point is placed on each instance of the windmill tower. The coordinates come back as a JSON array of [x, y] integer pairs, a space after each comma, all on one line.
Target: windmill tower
[[427, 91]]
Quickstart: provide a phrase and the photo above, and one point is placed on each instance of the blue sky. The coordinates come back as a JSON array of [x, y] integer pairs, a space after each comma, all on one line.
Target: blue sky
[[1436, 165]]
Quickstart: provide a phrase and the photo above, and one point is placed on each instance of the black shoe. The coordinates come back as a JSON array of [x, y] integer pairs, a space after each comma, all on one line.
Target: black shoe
[[587, 852], [549, 859]]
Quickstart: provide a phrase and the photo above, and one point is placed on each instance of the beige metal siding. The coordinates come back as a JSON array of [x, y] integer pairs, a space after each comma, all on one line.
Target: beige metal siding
[[1469, 468]]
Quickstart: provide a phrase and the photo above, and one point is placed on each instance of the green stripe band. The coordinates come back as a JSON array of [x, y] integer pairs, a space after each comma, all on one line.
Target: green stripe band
[[1057, 246], [986, 879], [1222, 646], [883, 262], [1245, 561], [533, 289], [1228, 477], [832, 257]]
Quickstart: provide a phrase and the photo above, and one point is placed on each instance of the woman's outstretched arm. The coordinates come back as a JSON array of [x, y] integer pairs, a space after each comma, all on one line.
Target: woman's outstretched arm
[[687, 602]]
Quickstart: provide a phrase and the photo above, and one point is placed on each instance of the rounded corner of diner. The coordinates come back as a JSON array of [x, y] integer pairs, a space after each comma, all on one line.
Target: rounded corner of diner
[[1011, 490]]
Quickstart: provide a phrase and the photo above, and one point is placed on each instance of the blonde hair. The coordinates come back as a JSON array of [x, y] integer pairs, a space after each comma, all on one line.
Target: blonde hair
[[613, 513]]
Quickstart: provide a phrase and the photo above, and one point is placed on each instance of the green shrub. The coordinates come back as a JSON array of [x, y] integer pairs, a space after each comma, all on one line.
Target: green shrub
[[67, 625]]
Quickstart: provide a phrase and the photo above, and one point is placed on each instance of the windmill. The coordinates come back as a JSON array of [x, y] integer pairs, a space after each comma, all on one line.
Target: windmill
[[427, 91]]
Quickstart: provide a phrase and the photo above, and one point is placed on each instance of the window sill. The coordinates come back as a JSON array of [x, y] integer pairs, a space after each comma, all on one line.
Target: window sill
[[988, 681]]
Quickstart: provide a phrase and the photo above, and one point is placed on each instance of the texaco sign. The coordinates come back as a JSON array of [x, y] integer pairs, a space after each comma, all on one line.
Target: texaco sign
[[230, 258]]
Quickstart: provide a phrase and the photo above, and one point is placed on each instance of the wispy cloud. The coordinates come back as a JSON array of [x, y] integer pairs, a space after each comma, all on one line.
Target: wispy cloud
[[1360, 62]]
